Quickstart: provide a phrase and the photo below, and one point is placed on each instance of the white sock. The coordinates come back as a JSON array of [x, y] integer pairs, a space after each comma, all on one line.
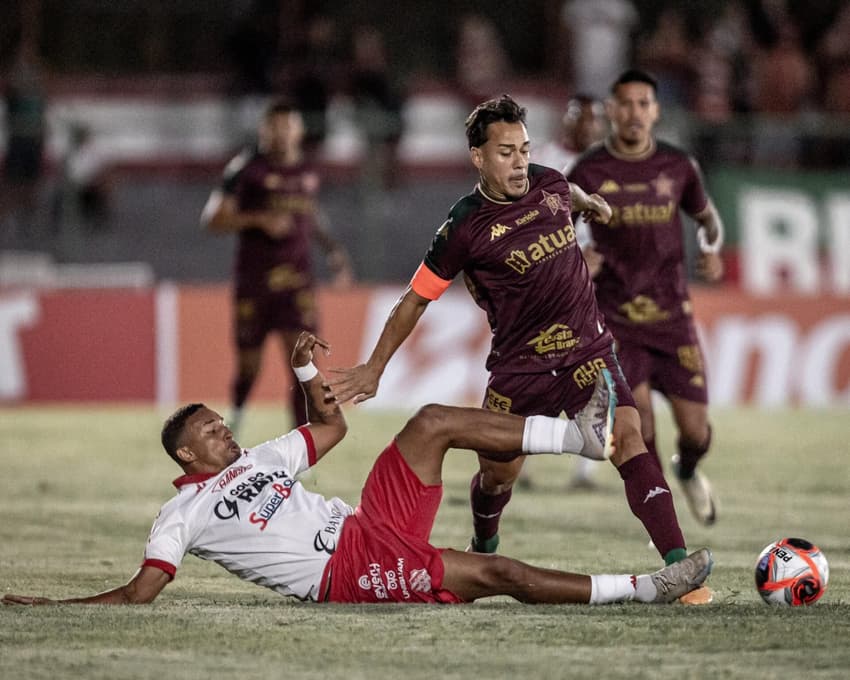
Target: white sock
[[607, 588], [543, 434]]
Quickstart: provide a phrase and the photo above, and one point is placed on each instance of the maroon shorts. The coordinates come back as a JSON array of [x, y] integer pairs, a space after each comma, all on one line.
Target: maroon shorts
[[547, 394], [667, 356], [383, 554], [258, 312]]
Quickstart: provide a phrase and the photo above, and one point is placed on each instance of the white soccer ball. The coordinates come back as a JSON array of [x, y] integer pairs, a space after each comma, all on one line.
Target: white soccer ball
[[791, 572]]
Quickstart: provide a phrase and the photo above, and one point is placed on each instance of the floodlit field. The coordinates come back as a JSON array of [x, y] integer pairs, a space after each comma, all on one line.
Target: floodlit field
[[79, 489]]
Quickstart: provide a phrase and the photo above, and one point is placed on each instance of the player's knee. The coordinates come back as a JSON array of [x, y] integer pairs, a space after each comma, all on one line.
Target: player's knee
[[430, 420], [502, 574]]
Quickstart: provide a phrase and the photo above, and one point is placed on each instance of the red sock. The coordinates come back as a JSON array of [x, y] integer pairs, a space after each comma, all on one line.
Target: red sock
[[486, 509], [651, 502]]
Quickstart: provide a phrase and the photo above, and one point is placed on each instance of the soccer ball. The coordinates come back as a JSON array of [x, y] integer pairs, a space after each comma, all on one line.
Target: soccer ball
[[791, 572]]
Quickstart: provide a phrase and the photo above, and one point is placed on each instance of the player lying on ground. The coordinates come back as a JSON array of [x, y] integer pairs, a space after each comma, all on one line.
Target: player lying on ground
[[245, 510]]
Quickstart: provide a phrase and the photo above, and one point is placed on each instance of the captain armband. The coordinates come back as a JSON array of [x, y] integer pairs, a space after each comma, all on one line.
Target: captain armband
[[427, 284]]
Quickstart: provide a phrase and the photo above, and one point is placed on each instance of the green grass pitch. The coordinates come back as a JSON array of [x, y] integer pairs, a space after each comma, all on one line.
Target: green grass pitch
[[79, 488]]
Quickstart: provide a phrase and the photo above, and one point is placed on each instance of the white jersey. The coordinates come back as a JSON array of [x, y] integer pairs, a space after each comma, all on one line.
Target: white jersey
[[254, 519]]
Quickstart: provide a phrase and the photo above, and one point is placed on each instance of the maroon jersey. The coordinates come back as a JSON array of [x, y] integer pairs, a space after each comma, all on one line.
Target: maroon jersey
[[643, 278], [523, 268], [258, 183]]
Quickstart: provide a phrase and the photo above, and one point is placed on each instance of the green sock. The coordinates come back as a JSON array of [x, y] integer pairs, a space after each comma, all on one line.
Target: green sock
[[675, 555], [485, 545]]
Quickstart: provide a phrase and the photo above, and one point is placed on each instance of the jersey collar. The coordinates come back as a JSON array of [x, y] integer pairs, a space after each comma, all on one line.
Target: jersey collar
[[631, 156], [185, 480]]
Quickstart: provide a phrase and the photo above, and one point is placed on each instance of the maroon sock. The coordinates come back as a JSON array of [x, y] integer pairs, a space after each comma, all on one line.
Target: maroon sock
[[689, 456], [486, 509], [651, 502], [239, 390], [650, 446]]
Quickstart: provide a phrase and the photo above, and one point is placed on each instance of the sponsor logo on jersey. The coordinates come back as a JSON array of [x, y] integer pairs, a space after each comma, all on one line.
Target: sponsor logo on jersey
[[642, 214], [585, 375], [609, 186], [249, 489], [498, 402], [558, 337], [381, 581], [554, 202], [528, 217], [498, 230], [652, 493], [326, 538], [272, 505], [636, 188], [643, 309], [545, 247], [232, 473]]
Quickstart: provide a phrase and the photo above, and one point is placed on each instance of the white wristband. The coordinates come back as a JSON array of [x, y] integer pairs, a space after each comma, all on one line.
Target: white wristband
[[707, 248], [305, 373]]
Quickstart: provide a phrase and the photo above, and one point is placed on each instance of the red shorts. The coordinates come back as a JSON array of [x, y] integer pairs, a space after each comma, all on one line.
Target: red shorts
[[667, 356], [547, 394], [383, 554]]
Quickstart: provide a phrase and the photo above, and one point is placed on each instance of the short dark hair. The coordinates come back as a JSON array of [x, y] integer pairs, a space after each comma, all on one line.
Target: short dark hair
[[502, 108], [635, 75], [281, 105], [172, 429]]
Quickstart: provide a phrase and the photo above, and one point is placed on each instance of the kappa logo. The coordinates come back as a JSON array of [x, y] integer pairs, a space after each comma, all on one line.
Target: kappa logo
[[498, 230], [657, 491], [609, 186]]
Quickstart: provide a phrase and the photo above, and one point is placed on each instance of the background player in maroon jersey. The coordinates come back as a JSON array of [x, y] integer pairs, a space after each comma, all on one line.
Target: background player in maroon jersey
[[269, 198], [513, 239], [641, 284]]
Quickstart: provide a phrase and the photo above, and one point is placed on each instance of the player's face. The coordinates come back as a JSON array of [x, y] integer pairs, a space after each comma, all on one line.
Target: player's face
[[281, 134], [502, 161], [633, 111], [210, 441]]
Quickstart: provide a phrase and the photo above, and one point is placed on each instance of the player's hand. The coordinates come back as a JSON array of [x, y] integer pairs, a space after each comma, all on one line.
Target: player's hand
[[597, 210], [359, 383], [710, 267], [302, 353], [10, 599], [593, 258], [277, 225]]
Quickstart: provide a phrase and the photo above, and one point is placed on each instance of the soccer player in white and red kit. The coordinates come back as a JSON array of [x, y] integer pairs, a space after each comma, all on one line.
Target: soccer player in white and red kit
[[514, 241], [245, 510]]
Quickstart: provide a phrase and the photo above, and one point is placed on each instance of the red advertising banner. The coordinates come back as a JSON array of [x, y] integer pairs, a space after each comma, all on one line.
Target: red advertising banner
[[174, 344]]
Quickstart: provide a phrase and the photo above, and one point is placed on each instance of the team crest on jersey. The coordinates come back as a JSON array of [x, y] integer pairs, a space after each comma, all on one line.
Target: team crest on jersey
[[553, 201], [663, 185], [609, 186], [498, 230]]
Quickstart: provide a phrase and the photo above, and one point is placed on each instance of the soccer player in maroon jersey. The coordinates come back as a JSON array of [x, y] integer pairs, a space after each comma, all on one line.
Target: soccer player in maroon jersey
[[641, 286], [268, 197], [514, 241]]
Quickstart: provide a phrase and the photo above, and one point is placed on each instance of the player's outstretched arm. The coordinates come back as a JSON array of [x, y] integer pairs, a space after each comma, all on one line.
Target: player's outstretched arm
[[361, 382], [221, 215], [324, 415], [141, 589], [591, 206]]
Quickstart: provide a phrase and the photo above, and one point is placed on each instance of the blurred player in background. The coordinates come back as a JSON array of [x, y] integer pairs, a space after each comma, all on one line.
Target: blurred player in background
[[269, 198], [641, 278], [582, 125], [245, 510], [514, 241]]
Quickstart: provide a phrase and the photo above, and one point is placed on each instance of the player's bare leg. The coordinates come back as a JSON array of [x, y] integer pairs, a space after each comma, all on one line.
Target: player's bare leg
[[643, 401], [694, 441], [473, 575], [247, 369]]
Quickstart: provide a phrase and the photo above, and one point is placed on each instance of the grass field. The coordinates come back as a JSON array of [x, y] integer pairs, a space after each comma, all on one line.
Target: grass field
[[80, 487]]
